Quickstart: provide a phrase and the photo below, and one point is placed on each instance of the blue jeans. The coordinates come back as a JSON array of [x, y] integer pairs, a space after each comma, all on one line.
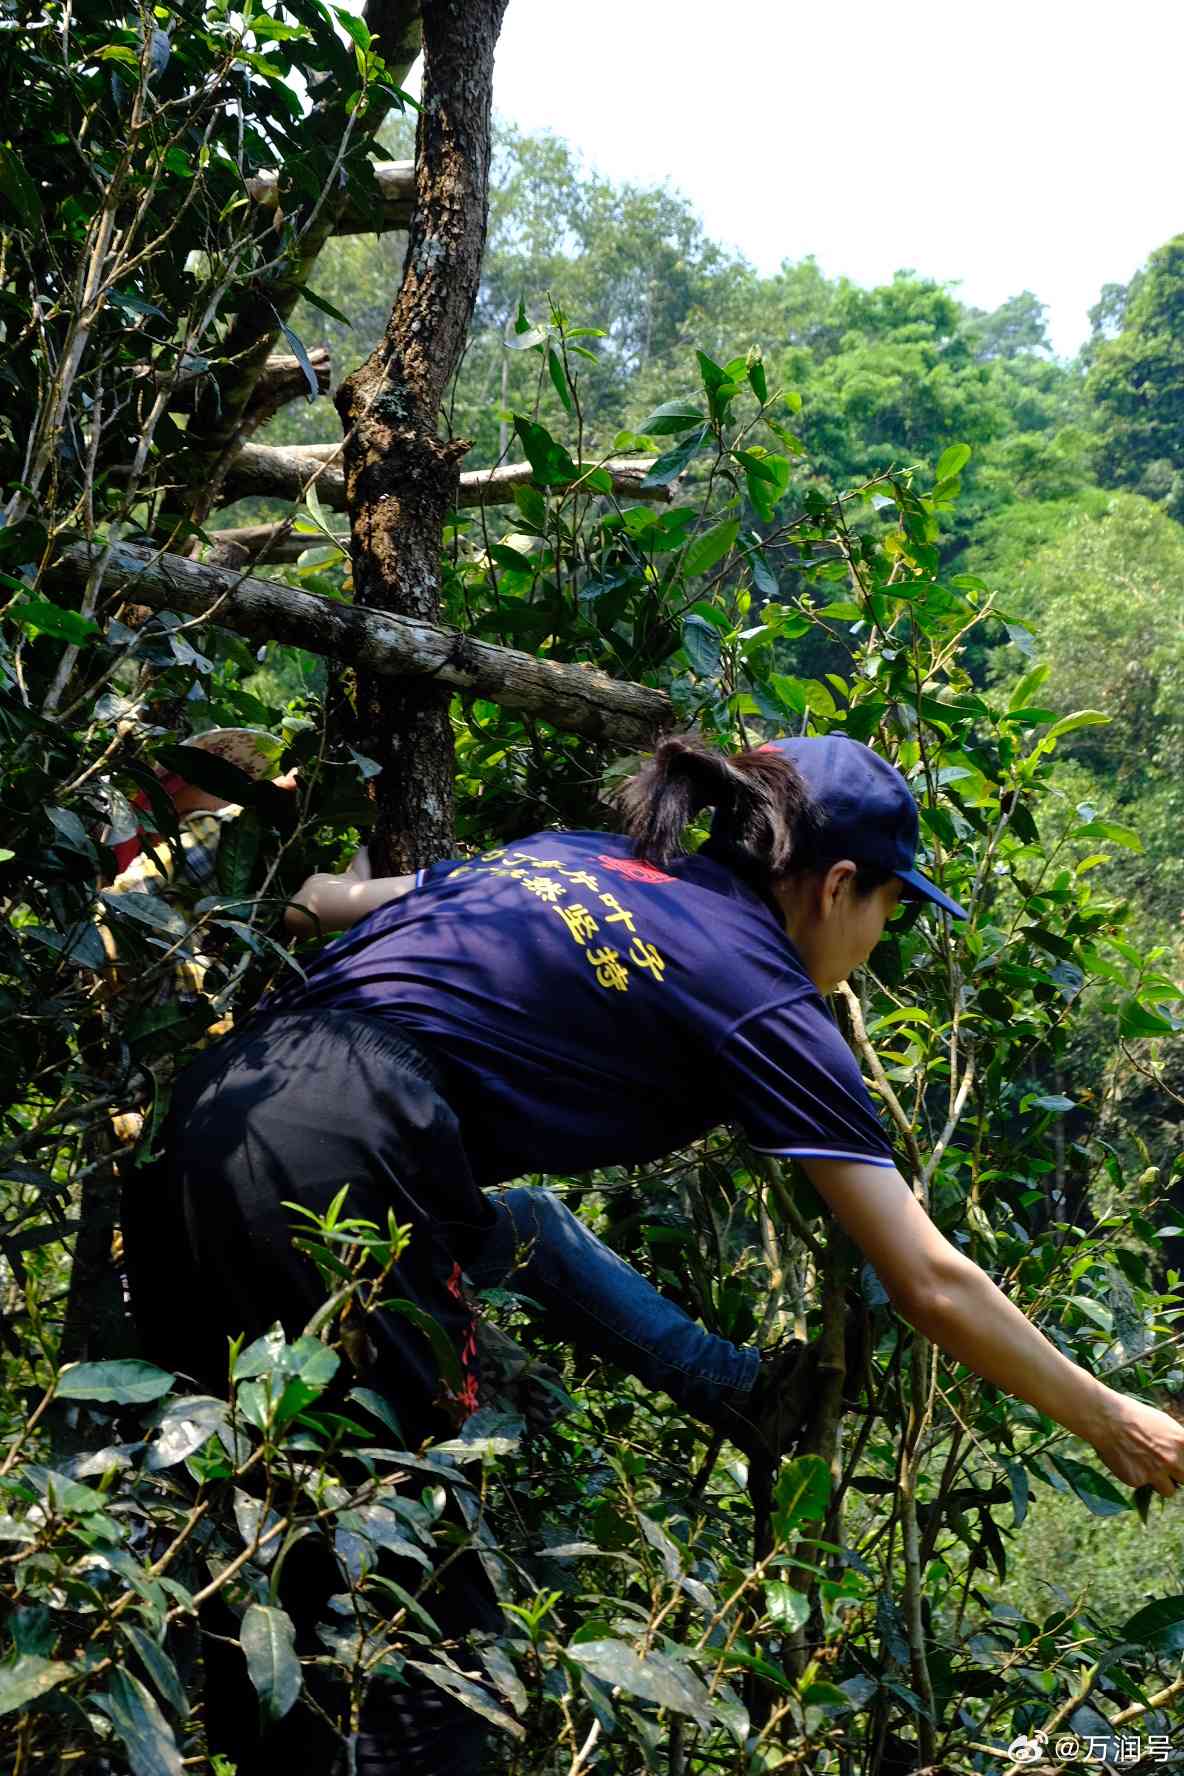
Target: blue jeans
[[595, 1301]]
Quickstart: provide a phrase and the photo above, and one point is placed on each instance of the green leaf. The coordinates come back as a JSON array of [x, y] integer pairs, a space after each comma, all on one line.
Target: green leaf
[[69, 1497], [160, 1668], [124, 1381], [28, 1678], [1099, 1495], [656, 1678], [526, 340], [144, 909], [559, 377], [1029, 684], [135, 304], [470, 1694], [713, 376], [1158, 1625], [325, 306], [533, 506], [764, 468], [549, 461], [17, 189], [710, 613], [951, 462], [238, 850], [442, 1346], [354, 27], [790, 692], [297, 345], [1081, 718], [1094, 1310], [710, 548], [40, 617], [184, 1426], [269, 1641], [70, 831], [672, 417], [757, 381], [818, 699], [1137, 1020], [732, 1659], [785, 1606], [1020, 1492], [702, 644], [1112, 830], [671, 465], [136, 1717], [763, 578], [801, 1494]]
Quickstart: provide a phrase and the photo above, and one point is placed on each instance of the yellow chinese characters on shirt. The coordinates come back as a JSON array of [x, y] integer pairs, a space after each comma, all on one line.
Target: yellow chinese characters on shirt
[[595, 918]]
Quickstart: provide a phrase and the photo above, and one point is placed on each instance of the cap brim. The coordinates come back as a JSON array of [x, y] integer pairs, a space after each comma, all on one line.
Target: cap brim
[[923, 889]]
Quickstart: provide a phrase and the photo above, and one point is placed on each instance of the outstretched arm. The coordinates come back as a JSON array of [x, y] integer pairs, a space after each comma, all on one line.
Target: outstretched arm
[[956, 1305], [326, 903]]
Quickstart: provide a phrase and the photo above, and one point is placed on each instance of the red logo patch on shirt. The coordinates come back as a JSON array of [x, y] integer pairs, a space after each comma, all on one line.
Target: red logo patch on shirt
[[634, 870]]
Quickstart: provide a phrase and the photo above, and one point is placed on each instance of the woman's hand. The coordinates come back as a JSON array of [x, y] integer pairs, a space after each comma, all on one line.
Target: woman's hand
[[1140, 1444], [955, 1304]]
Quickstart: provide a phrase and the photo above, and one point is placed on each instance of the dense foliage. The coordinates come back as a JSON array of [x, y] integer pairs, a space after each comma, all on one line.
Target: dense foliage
[[884, 520]]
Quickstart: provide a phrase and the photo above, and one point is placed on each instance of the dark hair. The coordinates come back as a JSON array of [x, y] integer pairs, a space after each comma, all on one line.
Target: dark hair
[[869, 877], [764, 822]]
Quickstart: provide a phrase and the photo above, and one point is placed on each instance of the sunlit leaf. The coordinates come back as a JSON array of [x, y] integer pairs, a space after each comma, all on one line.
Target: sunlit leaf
[[123, 1381], [269, 1642]]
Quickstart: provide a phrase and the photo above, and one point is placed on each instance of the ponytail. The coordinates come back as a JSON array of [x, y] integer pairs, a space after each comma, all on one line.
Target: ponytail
[[763, 812]]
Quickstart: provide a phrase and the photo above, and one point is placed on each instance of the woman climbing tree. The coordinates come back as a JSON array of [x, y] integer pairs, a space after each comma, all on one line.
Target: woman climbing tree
[[571, 1001]]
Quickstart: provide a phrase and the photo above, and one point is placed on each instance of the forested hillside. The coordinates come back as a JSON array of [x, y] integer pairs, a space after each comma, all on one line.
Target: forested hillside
[[586, 482]]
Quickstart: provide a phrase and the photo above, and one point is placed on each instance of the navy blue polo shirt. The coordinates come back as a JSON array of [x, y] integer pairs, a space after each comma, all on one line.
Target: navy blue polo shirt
[[592, 1010]]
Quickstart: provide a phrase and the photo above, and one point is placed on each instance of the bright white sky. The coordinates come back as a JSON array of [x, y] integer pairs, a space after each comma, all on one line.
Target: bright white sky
[[1001, 146]]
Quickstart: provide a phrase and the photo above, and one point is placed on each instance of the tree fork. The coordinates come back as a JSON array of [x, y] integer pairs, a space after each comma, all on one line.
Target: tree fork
[[400, 476]]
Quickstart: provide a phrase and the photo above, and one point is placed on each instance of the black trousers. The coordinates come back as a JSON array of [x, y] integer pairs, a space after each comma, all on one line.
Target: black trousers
[[290, 1109]]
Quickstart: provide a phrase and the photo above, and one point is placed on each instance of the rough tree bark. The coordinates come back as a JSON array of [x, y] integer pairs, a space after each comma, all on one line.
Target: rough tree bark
[[401, 476]]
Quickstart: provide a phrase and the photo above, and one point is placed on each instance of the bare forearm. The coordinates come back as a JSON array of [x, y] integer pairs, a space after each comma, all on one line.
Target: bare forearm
[[336, 903], [974, 1322], [957, 1306]]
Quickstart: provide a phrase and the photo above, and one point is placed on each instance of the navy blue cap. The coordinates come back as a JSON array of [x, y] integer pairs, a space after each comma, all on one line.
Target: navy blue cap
[[868, 810]]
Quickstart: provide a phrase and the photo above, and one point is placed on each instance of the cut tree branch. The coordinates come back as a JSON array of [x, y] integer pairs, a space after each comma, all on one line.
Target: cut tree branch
[[284, 473], [396, 183], [283, 380], [575, 699]]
